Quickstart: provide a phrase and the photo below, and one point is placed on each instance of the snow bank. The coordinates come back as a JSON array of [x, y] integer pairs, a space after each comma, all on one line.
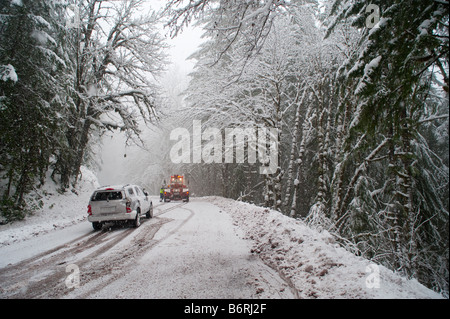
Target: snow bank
[[58, 210], [312, 261]]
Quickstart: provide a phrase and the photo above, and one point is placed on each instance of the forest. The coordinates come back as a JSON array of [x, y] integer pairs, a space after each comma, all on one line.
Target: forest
[[357, 90]]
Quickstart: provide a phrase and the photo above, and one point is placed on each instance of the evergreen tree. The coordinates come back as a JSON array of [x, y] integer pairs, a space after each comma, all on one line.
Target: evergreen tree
[[30, 106], [393, 68]]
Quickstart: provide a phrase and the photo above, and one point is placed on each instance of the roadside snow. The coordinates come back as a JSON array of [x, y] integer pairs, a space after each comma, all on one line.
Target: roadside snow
[[58, 210], [315, 264]]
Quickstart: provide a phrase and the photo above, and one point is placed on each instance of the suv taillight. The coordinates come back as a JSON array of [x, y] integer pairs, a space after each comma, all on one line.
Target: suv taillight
[[128, 205], [89, 210]]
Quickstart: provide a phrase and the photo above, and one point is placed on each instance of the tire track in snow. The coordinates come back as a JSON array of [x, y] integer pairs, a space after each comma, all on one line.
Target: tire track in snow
[[40, 276], [119, 263], [167, 209], [104, 257], [102, 273], [43, 275]]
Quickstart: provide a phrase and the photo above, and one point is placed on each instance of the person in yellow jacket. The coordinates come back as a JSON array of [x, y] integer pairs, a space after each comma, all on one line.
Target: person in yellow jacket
[[161, 194]]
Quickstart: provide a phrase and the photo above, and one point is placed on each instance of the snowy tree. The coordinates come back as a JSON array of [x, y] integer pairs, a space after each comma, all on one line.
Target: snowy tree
[[229, 20], [31, 79], [117, 53], [260, 92], [394, 79], [361, 114], [69, 71]]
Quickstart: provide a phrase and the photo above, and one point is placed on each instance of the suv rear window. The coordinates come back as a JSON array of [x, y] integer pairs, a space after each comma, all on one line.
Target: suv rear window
[[107, 196]]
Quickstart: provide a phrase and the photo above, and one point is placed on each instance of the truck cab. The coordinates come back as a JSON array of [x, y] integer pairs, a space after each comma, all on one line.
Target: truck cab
[[177, 189]]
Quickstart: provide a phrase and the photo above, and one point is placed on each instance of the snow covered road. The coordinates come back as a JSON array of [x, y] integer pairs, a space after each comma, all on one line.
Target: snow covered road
[[208, 248], [186, 251]]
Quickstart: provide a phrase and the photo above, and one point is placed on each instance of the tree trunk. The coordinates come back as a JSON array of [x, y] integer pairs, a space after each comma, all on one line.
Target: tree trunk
[[295, 137]]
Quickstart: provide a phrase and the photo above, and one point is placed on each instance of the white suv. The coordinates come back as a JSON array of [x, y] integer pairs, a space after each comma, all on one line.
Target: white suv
[[119, 203]]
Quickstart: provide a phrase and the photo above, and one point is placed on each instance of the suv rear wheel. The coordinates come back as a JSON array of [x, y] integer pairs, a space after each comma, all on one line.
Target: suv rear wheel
[[137, 221], [150, 212]]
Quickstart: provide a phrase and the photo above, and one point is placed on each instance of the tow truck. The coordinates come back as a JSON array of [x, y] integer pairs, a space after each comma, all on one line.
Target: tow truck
[[177, 189]]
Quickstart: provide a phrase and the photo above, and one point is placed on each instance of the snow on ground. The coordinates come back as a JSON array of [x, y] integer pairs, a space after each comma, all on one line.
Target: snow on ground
[[314, 263], [58, 210], [212, 248], [196, 254]]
